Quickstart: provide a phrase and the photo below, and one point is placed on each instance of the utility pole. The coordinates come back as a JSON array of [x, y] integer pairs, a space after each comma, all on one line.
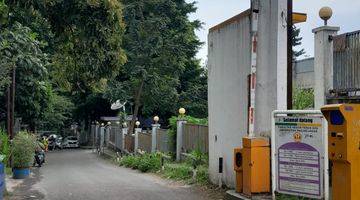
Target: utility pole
[[289, 54], [11, 105]]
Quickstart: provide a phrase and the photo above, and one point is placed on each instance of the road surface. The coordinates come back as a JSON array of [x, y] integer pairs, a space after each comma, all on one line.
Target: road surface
[[81, 175]]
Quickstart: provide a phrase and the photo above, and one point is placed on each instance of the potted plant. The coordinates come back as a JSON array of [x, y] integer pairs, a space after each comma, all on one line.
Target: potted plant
[[23, 149]]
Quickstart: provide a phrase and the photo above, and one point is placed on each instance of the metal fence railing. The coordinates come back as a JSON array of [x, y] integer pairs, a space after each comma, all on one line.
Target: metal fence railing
[[347, 62]]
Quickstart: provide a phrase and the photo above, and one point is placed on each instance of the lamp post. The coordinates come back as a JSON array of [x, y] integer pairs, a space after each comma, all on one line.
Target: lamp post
[[182, 112], [179, 132], [325, 14], [137, 131], [155, 126]]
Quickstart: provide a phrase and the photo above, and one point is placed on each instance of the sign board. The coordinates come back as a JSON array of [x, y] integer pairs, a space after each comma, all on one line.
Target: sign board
[[299, 155]]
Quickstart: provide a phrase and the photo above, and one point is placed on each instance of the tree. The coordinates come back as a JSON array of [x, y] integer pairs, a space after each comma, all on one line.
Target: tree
[[4, 67], [21, 50], [193, 90], [296, 41], [83, 40], [159, 40]]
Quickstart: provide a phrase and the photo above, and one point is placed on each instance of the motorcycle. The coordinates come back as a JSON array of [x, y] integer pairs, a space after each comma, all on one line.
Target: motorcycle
[[39, 158]]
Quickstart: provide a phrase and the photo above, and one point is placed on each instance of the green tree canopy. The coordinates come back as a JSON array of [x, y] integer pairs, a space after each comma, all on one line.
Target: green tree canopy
[[159, 40]]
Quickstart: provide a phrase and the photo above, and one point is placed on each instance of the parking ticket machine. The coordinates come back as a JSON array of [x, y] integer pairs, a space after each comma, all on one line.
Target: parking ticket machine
[[344, 149]]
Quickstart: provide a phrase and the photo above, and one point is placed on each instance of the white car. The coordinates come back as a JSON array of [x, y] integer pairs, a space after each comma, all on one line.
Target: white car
[[70, 142]]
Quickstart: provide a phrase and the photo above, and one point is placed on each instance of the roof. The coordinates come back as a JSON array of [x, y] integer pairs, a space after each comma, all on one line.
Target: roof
[[232, 20]]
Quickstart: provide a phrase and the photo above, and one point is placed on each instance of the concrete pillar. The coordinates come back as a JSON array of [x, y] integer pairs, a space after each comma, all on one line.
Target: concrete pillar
[[107, 135], [323, 63], [153, 137], [137, 131], [124, 132], [102, 134], [179, 136]]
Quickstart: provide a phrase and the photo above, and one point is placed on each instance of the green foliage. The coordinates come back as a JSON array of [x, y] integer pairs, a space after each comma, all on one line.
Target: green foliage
[[4, 146], [23, 148], [21, 50], [159, 42], [178, 171], [197, 158], [303, 99], [146, 162], [296, 41], [202, 175], [58, 112]]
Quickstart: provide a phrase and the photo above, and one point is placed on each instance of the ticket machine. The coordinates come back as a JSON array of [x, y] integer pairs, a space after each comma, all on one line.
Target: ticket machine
[[344, 149]]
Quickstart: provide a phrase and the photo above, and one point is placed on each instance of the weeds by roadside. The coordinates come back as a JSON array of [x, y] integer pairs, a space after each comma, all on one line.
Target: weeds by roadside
[[193, 170]]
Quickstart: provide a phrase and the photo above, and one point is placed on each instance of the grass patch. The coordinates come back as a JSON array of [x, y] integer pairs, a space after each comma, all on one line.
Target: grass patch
[[175, 171], [145, 163]]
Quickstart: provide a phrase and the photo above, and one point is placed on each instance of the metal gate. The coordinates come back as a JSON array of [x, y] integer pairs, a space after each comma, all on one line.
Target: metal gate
[[347, 62]]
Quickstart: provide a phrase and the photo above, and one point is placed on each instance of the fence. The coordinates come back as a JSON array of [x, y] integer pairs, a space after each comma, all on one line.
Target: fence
[[347, 62], [195, 137], [129, 143], [162, 141], [145, 142]]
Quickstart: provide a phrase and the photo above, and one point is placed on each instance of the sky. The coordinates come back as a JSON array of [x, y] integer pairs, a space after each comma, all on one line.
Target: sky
[[346, 15]]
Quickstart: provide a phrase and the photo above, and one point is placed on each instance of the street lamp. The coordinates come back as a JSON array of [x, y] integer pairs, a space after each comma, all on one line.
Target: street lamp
[[156, 119], [109, 123], [137, 123], [124, 125], [182, 112], [325, 14]]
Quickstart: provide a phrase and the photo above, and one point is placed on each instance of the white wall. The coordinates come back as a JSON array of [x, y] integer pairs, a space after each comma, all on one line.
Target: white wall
[[229, 66]]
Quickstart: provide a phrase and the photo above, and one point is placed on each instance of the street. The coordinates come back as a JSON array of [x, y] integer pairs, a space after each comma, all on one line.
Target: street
[[81, 175]]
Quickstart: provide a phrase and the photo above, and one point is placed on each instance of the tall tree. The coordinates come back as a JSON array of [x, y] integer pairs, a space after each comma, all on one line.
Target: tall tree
[[21, 50], [159, 40], [83, 40], [296, 41]]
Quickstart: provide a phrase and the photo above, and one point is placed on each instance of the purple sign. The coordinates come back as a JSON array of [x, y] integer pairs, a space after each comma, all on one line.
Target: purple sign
[[299, 169]]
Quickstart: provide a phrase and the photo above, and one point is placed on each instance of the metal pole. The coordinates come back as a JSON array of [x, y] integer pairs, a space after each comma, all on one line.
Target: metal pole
[[289, 55]]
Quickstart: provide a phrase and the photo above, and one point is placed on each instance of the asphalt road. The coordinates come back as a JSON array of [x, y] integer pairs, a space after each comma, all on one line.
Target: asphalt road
[[81, 175]]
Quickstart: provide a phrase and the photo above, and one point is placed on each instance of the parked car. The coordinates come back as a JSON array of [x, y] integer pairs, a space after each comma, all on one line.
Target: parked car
[[70, 142]]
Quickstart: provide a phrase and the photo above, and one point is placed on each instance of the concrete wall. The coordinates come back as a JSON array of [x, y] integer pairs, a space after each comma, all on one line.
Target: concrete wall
[[303, 73], [229, 66], [271, 87]]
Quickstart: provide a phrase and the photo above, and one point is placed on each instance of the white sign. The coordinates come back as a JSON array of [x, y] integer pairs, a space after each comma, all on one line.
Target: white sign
[[299, 155]]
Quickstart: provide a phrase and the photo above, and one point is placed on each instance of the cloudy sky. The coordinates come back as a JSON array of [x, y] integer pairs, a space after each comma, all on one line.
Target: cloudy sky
[[346, 14]]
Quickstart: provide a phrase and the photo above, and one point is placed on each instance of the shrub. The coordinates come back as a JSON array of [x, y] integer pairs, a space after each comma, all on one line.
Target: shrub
[[4, 146], [182, 171], [202, 175], [146, 162], [23, 149], [150, 162]]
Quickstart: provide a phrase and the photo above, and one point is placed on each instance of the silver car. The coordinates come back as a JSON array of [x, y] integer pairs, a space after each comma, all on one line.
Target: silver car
[[70, 142]]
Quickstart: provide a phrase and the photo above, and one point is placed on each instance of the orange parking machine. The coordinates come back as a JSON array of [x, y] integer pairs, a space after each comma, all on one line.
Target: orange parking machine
[[252, 166], [344, 149]]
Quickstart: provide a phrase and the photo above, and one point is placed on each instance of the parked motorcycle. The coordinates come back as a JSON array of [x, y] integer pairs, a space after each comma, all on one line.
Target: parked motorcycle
[[39, 157]]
